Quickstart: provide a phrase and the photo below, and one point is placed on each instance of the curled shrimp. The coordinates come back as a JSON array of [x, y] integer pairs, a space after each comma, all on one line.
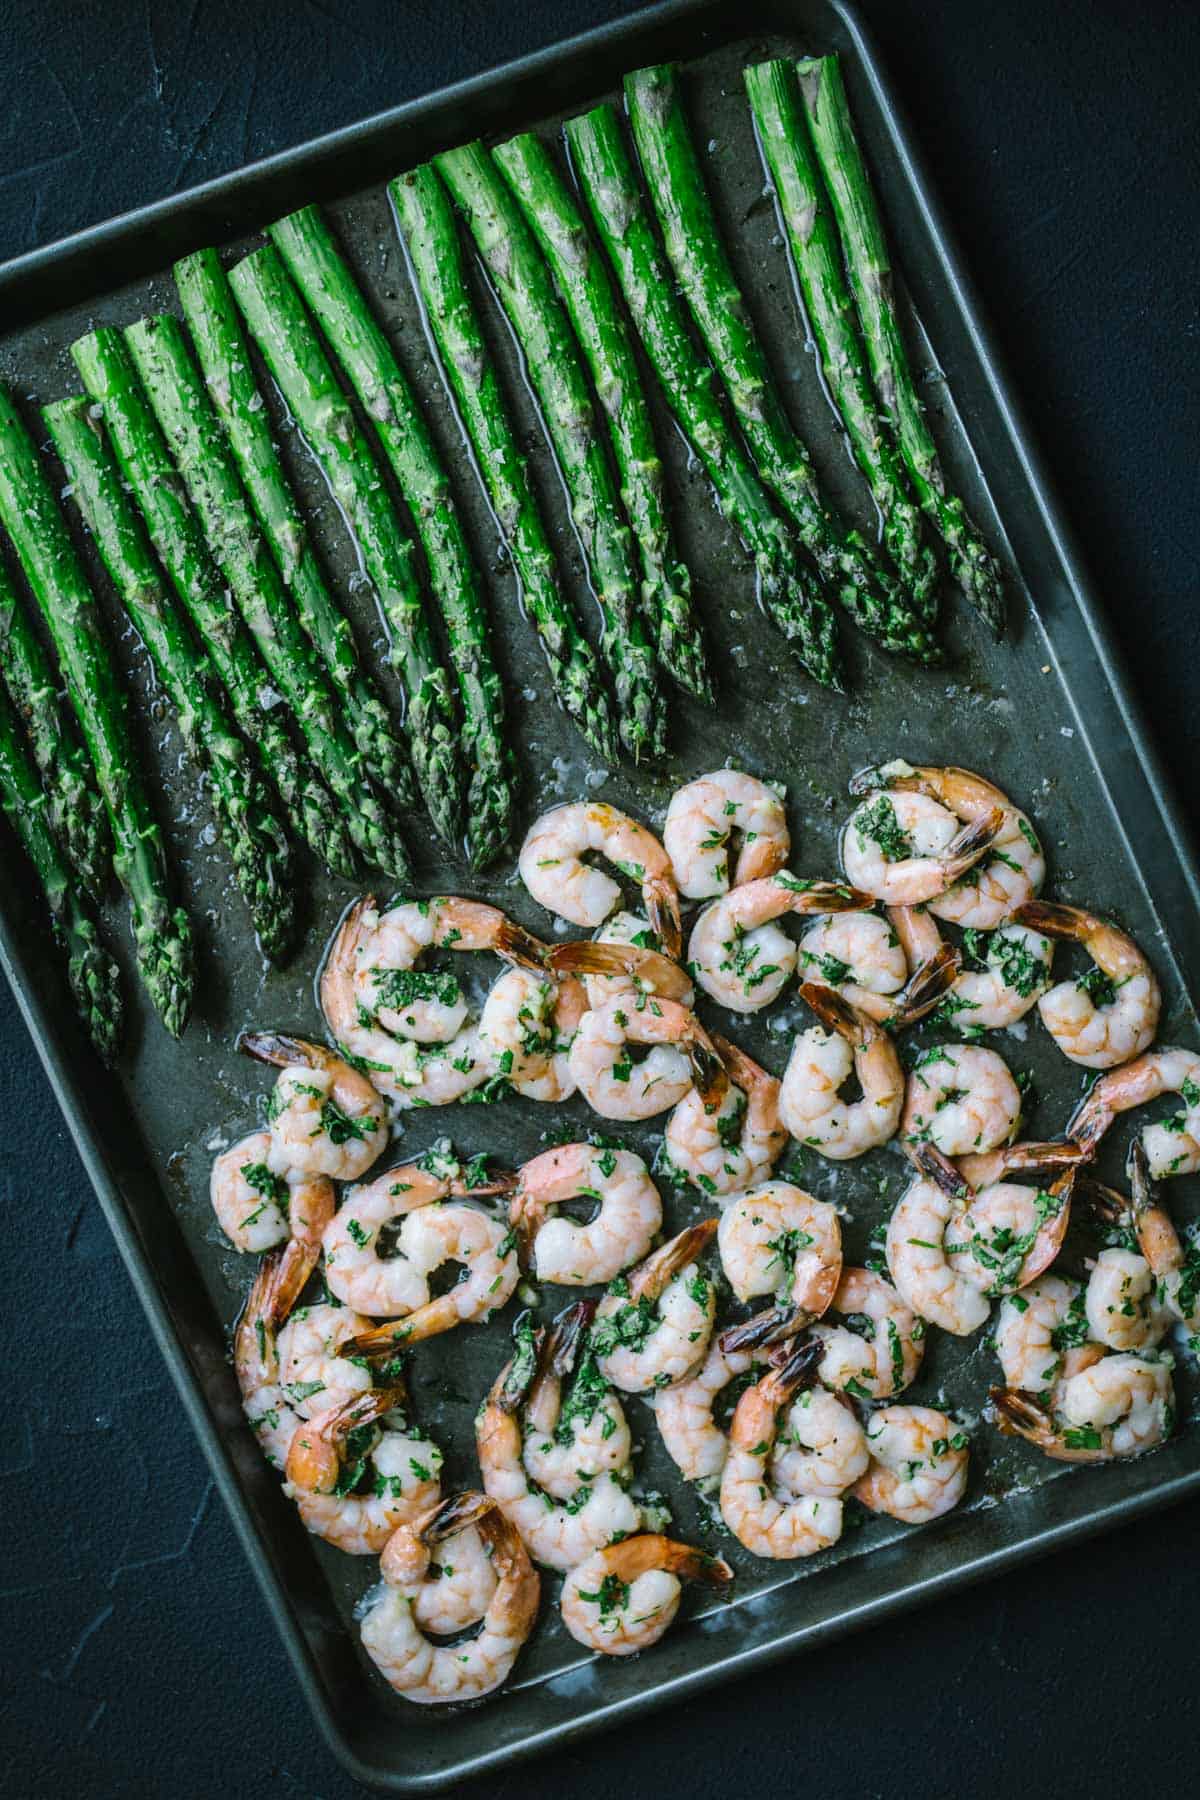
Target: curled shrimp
[[1163, 1281], [552, 867], [1038, 1331], [1172, 1147], [871, 1341], [258, 1208], [960, 1100], [324, 1117], [818, 1068], [1111, 1014], [271, 1415], [736, 1145], [779, 1240], [653, 1326], [355, 1498], [906, 849], [1005, 1235], [573, 1435], [313, 1372], [457, 1590], [681, 1054], [757, 1517], [925, 1277], [628, 1216], [1016, 973], [431, 1674], [623, 1598], [704, 815], [919, 1463], [1117, 1406], [434, 1234], [861, 956], [691, 1435], [737, 952], [821, 1448], [527, 1026]]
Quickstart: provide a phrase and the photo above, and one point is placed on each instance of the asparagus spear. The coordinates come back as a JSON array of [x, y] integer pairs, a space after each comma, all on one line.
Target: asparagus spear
[[190, 425], [255, 838], [95, 982], [552, 362], [816, 253], [833, 137], [224, 358], [587, 293], [788, 589], [73, 806], [145, 464], [332, 295], [427, 222], [874, 600], [29, 514], [278, 324]]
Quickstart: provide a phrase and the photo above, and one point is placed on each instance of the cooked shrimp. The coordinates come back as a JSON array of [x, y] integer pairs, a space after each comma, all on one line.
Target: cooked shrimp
[[622, 1599], [1116, 1407], [383, 1286], [1124, 1308], [1111, 1013], [258, 1208], [779, 1240], [740, 956], [653, 1326], [619, 970], [925, 1276], [324, 1117], [858, 953], [738, 1144], [457, 1590], [905, 849], [1036, 1330], [704, 815], [766, 1525], [995, 997], [432, 1673], [552, 867], [981, 1168], [875, 1351], [1173, 1146], [919, 1461], [1164, 1280], [527, 1026], [693, 1440], [313, 1373], [961, 1099], [1006, 1235], [327, 1461], [256, 1356], [572, 1439], [818, 1068], [437, 1234], [681, 1054], [620, 1232], [821, 1448]]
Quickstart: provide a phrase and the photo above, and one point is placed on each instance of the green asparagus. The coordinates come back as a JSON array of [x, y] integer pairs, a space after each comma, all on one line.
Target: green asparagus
[[874, 599], [816, 253], [31, 517], [255, 838], [552, 362], [299, 366], [332, 295], [95, 982], [73, 806], [146, 466], [586, 289], [190, 426], [788, 589], [224, 358], [437, 261], [841, 160]]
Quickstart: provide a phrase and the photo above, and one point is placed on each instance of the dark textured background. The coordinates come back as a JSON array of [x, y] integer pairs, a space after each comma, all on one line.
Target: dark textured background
[[138, 1658]]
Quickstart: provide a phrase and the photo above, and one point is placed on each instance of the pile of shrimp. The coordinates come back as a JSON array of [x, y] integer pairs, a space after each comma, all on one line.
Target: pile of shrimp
[[797, 1402]]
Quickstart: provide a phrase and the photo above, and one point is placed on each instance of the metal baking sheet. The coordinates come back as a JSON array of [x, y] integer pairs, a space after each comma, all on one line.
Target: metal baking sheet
[[1045, 713]]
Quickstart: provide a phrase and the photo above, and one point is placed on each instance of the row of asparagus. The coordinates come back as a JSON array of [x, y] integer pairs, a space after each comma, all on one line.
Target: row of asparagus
[[171, 462]]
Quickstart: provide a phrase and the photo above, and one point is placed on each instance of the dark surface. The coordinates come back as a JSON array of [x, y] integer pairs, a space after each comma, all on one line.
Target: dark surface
[[140, 1659]]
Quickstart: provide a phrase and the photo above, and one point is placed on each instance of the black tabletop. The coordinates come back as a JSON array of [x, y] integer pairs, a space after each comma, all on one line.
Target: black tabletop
[[140, 1658]]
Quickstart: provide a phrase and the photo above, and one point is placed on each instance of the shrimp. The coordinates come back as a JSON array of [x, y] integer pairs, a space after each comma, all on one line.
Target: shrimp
[[905, 849], [765, 1524], [457, 1591], [619, 969], [568, 1443], [779, 1240], [1016, 972], [435, 1234], [858, 953], [961, 1099], [653, 1326], [617, 1087], [875, 1351], [925, 1277], [258, 1208], [819, 1067], [1117, 1406], [621, 1231], [313, 1372], [740, 956], [327, 1461], [324, 1117], [383, 1286], [256, 1356], [821, 1448], [1172, 1147], [690, 1434], [1036, 1330], [622, 1599], [527, 1026], [738, 1144], [1164, 1280], [704, 815], [552, 867], [919, 1462], [1007, 1234], [1111, 1014], [430, 1674], [1124, 1308]]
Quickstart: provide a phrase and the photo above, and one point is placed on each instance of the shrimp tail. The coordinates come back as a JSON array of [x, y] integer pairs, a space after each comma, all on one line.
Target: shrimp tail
[[450, 1516], [837, 1013], [662, 1265], [795, 1368], [560, 1345], [971, 843], [282, 1051], [1157, 1237], [1091, 1119], [635, 1556], [1053, 1231], [774, 1325], [263, 1314], [648, 966], [933, 1165], [1053, 920], [927, 984], [517, 1376], [662, 910], [712, 1083], [1020, 1415], [516, 945], [741, 1069], [828, 897], [504, 1181]]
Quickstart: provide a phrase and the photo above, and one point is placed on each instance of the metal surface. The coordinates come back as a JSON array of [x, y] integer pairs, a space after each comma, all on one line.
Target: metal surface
[[1044, 713]]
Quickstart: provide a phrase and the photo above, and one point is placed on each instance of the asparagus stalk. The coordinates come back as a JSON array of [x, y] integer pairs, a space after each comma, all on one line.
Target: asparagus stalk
[[332, 295], [224, 358], [146, 466], [29, 514], [435, 253], [73, 806], [300, 368], [816, 254], [587, 292], [869, 268], [552, 362], [190, 425], [95, 982], [255, 838], [874, 600], [788, 589]]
